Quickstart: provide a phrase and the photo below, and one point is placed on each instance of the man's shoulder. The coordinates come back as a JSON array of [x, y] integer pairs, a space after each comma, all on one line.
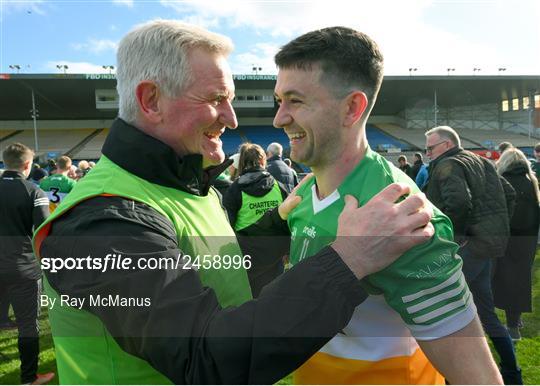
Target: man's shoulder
[[112, 215]]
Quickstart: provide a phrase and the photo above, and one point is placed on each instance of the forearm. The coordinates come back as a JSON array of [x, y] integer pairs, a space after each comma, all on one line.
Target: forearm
[[187, 336], [464, 356]]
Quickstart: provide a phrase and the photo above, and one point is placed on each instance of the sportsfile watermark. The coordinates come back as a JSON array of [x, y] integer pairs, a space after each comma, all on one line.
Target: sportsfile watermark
[[113, 261]]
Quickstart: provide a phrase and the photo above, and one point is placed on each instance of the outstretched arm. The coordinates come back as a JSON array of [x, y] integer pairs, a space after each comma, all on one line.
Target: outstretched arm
[[463, 357]]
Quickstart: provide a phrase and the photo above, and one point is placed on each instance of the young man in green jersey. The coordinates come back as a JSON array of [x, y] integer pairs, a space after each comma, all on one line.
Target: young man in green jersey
[[327, 84], [58, 185]]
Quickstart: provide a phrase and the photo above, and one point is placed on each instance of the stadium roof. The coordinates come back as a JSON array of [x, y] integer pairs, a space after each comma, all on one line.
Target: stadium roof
[[72, 96]]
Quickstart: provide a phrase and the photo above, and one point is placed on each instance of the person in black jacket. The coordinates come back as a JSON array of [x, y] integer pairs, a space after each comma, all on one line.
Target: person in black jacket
[[176, 91], [417, 165], [404, 165], [249, 197], [512, 283], [23, 207], [468, 189], [279, 169]]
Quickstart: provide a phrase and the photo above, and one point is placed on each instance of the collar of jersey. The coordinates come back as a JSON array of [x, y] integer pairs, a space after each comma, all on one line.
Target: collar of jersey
[[320, 205]]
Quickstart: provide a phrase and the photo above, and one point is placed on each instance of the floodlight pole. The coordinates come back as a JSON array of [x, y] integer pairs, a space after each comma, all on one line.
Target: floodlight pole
[[435, 108], [531, 110], [34, 116]]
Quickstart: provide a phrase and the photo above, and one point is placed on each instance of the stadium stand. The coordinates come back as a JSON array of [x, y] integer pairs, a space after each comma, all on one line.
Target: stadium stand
[[91, 149], [265, 135], [60, 141], [470, 139], [379, 140]]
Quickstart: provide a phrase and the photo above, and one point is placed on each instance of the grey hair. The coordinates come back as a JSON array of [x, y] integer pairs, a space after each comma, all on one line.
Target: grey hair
[[158, 51], [445, 132], [512, 158], [275, 149]]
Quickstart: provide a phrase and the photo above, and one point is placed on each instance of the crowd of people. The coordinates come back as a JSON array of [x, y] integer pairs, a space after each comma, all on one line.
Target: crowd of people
[[379, 285]]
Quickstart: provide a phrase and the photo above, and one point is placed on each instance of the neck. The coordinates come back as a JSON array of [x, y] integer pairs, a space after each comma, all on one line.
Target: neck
[[332, 174]]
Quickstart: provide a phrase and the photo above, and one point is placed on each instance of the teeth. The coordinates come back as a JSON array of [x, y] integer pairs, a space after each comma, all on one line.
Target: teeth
[[297, 135]]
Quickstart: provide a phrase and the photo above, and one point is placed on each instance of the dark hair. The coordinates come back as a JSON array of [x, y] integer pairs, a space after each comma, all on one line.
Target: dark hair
[[348, 59], [251, 156], [16, 154]]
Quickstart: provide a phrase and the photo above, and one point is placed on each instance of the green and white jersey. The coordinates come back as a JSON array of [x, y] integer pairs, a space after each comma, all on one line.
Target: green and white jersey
[[57, 187], [425, 286]]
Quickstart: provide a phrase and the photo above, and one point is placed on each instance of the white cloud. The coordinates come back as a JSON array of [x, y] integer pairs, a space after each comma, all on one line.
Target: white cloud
[[96, 46], [409, 32], [260, 55], [127, 3]]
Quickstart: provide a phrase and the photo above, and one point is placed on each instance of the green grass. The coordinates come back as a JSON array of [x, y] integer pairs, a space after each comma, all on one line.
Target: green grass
[[528, 349], [9, 354]]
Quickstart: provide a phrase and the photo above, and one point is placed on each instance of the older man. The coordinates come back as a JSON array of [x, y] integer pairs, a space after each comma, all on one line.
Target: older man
[[467, 189], [118, 318]]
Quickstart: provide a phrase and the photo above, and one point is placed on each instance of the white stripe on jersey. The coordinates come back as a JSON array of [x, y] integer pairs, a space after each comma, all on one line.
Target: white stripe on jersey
[[438, 298], [443, 310], [41, 202], [451, 280]]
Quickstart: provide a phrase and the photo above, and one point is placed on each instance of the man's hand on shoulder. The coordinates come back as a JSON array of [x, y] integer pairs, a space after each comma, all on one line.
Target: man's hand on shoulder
[[373, 236]]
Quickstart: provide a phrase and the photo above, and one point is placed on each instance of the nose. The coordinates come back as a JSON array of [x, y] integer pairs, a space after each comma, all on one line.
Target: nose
[[282, 118], [228, 116]]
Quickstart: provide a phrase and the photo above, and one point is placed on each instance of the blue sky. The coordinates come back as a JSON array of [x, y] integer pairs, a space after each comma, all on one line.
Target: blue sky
[[428, 35]]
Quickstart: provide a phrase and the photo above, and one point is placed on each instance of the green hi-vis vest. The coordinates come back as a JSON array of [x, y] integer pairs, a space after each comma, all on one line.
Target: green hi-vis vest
[[253, 208], [85, 351]]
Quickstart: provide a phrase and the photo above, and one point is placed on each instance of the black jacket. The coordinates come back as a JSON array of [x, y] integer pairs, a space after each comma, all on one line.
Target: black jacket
[[185, 334], [265, 246], [467, 188], [23, 207], [415, 169], [281, 172], [512, 282]]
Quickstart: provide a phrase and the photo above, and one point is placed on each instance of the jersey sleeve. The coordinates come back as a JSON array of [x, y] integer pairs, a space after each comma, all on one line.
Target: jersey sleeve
[[427, 287], [40, 210]]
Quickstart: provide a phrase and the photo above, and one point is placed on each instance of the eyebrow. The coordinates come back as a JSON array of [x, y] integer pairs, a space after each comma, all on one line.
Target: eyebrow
[[290, 93]]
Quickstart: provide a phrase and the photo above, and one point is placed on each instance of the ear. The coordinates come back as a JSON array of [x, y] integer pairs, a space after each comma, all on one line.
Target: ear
[[147, 94], [355, 107]]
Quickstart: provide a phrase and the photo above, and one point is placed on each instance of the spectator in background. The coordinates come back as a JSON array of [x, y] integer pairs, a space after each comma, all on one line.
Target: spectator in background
[[418, 163], [72, 172], [51, 166], [91, 164], [58, 185], [83, 165], [23, 208], [288, 162], [37, 175], [250, 196], [503, 146], [422, 176], [467, 188], [278, 169], [233, 168], [536, 164], [512, 283], [404, 165]]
